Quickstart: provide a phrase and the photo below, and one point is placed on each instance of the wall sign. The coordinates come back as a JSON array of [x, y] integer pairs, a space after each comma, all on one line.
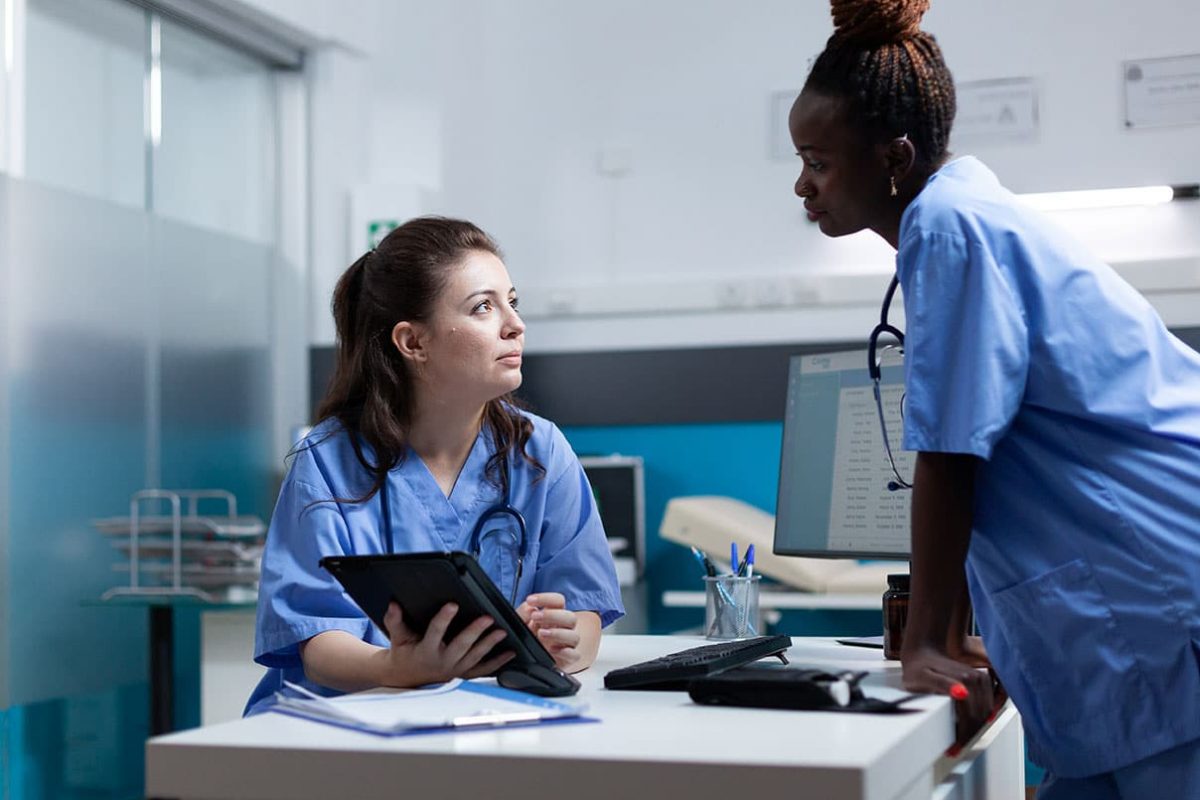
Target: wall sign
[[1001, 110], [1162, 91]]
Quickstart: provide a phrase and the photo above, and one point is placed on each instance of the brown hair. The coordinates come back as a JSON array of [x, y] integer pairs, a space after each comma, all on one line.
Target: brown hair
[[889, 72], [371, 391]]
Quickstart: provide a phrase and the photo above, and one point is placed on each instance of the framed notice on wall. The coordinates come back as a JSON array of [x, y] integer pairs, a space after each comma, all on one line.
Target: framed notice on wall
[[1000, 110], [1162, 91]]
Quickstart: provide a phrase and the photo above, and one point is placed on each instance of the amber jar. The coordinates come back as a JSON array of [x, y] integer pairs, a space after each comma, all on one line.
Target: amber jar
[[895, 615]]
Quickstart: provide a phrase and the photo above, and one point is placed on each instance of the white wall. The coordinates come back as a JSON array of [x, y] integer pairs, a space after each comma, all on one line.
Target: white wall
[[621, 152]]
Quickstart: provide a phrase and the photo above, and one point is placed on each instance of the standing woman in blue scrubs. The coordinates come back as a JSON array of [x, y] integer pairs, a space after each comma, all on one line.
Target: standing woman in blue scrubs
[[417, 438], [1056, 421]]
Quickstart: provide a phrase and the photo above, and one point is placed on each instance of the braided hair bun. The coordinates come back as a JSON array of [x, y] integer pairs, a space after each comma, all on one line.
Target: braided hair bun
[[889, 73], [871, 23]]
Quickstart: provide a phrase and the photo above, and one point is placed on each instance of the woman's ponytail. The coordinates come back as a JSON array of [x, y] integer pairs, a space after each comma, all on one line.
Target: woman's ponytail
[[346, 384]]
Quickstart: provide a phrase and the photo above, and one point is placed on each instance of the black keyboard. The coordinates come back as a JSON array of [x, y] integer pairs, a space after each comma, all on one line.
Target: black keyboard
[[672, 672]]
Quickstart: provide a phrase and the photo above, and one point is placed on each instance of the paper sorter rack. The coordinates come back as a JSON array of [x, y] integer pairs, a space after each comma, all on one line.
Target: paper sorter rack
[[239, 539]]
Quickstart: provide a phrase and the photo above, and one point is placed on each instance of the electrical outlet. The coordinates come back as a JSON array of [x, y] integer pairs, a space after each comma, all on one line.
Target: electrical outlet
[[804, 293], [731, 294], [770, 294], [561, 303]]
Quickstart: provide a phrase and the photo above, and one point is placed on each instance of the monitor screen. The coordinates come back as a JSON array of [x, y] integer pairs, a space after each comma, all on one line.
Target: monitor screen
[[834, 499]]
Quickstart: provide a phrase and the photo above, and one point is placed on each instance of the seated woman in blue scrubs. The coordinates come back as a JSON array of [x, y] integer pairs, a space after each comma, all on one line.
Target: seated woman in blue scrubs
[[1057, 425], [417, 438]]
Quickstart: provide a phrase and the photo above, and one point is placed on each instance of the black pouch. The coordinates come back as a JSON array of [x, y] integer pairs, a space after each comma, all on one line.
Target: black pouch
[[797, 689]]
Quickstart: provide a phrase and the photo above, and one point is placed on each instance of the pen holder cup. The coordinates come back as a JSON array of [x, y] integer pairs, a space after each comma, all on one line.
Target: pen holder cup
[[731, 607]]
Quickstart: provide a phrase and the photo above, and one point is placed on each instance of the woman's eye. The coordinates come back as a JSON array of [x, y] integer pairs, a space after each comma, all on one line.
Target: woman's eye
[[513, 303], [486, 305]]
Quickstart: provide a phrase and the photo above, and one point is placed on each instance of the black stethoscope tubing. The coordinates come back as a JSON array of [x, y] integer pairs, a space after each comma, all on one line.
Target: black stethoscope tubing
[[874, 368], [475, 544]]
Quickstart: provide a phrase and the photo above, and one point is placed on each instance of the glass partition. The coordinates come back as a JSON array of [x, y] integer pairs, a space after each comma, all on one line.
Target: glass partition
[[138, 266], [214, 165], [85, 68]]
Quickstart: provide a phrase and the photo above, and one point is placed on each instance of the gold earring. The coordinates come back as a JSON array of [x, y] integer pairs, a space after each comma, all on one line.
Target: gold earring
[[893, 186]]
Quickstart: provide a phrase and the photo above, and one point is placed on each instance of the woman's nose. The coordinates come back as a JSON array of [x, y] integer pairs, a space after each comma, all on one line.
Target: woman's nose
[[803, 189], [515, 325]]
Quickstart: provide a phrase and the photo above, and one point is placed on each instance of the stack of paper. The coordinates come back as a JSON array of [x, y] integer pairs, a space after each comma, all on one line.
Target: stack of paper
[[457, 704]]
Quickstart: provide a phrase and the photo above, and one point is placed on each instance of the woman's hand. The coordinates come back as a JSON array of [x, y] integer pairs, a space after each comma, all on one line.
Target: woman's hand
[[556, 627], [969, 650], [414, 660], [927, 669]]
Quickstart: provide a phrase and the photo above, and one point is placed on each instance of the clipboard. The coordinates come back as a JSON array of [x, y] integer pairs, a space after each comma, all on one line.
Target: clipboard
[[421, 583], [453, 706]]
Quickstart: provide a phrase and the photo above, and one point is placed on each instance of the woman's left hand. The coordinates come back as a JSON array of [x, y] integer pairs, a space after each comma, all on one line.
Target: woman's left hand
[[555, 626]]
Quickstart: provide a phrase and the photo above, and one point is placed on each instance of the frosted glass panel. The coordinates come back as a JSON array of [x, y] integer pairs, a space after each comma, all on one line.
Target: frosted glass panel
[[215, 164], [5, 427], [77, 310], [214, 303], [85, 130]]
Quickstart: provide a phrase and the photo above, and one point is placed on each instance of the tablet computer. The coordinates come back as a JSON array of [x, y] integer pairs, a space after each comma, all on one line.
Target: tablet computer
[[421, 583]]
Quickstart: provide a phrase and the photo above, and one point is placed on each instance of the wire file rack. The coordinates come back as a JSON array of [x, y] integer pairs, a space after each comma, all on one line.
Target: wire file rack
[[185, 553]]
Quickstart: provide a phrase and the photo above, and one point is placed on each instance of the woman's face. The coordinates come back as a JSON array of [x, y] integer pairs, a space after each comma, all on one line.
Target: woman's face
[[474, 337], [844, 182]]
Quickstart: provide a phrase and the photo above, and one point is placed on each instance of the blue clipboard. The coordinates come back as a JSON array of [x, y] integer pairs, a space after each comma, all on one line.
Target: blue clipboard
[[457, 705]]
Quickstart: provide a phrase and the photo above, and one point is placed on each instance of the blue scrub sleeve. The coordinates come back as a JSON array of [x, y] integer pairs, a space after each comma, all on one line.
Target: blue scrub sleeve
[[573, 557], [966, 348], [297, 599]]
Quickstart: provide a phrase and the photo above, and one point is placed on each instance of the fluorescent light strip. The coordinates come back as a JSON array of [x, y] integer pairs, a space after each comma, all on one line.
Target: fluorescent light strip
[[155, 98], [1100, 198]]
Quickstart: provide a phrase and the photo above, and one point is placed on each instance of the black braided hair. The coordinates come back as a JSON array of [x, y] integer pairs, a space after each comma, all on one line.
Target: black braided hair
[[889, 72]]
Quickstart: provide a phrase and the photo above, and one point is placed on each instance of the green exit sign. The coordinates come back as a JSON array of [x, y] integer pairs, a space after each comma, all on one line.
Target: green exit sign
[[379, 228]]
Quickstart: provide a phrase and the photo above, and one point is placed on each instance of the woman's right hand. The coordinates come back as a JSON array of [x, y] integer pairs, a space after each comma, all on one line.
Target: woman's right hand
[[415, 660], [969, 650], [928, 669]]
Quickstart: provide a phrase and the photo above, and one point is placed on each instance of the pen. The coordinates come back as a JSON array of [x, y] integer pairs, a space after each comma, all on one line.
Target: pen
[[749, 565], [733, 559], [705, 564]]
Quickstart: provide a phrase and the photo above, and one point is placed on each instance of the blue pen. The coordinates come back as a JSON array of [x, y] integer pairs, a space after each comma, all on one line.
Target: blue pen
[[749, 565], [705, 564], [733, 559]]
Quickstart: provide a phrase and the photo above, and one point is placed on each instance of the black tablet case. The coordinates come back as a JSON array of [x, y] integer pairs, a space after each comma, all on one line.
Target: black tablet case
[[422, 583]]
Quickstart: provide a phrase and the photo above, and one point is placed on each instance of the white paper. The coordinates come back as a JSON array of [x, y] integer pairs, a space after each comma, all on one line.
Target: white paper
[[455, 704], [864, 516]]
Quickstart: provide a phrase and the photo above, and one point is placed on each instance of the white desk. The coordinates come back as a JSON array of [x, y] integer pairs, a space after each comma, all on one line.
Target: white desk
[[648, 744]]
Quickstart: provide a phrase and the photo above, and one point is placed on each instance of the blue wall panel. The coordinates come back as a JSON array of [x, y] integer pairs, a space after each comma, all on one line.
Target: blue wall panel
[[739, 460]]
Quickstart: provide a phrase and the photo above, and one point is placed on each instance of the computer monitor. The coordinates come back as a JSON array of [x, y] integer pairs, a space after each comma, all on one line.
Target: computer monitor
[[834, 499], [618, 488]]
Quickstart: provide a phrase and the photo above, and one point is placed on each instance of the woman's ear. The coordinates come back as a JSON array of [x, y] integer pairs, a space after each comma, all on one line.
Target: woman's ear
[[900, 156], [409, 341]]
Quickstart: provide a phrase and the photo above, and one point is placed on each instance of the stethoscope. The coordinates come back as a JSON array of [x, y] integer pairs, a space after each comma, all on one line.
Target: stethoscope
[[875, 368], [475, 544]]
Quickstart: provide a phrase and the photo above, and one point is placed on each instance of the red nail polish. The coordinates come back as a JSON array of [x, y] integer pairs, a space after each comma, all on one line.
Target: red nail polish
[[959, 692]]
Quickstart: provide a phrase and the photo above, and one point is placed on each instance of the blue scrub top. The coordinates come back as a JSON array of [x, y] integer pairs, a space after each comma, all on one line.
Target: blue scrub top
[[568, 551], [1084, 567]]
